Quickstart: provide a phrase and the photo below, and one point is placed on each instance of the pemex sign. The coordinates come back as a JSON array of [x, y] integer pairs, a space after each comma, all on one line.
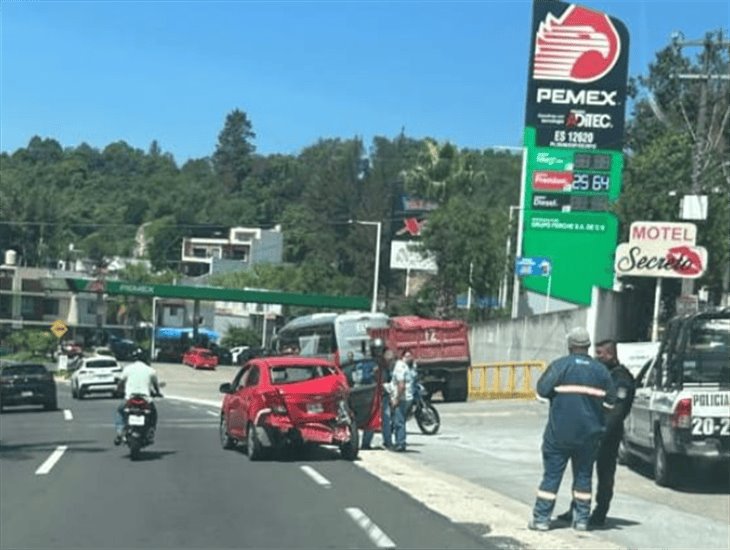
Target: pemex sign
[[661, 249], [574, 126]]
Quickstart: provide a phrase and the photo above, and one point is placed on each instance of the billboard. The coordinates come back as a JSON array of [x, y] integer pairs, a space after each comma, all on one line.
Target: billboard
[[574, 125], [407, 255], [576, 91], [661, 249]]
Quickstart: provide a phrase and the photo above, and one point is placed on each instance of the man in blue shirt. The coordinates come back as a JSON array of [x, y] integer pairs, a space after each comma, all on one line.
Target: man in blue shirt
[[580, 389]]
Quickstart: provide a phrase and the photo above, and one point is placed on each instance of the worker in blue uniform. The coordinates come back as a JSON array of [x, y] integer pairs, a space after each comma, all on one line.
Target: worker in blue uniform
[[580, 389]]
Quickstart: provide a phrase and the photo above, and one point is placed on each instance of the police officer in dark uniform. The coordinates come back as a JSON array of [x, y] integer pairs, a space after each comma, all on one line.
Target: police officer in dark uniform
[[580, 389], [608, 450]]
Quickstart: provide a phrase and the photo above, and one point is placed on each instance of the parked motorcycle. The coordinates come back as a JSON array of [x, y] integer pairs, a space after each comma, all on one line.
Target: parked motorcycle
[[427, 417], [138, 424]]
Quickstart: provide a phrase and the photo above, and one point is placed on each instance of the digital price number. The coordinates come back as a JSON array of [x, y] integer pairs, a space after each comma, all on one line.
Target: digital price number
[[598, 183], [589, 161], [593, 203]]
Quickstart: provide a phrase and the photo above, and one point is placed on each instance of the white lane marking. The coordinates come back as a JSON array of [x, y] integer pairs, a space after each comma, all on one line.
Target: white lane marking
[[194, 407], [212, 413], [67, 415], [380, 539], [51, 460], [316, 476]]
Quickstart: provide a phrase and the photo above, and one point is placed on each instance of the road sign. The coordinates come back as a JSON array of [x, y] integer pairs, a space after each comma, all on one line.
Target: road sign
[[541, 267], [59, 328]]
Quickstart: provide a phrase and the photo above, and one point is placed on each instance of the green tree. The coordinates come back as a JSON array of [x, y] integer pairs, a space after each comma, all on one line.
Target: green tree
[[233, 155]]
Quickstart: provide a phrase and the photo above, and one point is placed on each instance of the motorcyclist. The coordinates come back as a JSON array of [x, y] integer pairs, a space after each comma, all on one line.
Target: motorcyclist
[[138, 378]]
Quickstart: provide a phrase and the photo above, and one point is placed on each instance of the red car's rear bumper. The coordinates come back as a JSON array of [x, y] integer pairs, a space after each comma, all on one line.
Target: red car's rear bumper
[[282, 428]]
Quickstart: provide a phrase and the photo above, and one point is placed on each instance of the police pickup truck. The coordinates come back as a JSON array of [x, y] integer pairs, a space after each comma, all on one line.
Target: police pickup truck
[[681, 410]]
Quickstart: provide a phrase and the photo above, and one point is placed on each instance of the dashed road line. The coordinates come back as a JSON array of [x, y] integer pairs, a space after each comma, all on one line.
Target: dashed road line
[[316, 476], [67, 415], [50, 462], [212, 413], [380, 539]]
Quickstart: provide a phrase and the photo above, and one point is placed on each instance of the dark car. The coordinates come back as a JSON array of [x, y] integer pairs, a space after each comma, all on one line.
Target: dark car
[[123, 349], [251, 353], [223, 354], [27, 384]]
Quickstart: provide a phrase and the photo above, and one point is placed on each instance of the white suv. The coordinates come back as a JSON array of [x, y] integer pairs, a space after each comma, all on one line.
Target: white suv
[[98, 374]]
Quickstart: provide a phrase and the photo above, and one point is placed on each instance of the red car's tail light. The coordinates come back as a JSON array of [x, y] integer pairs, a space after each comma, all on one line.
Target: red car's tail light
[[275, 402]]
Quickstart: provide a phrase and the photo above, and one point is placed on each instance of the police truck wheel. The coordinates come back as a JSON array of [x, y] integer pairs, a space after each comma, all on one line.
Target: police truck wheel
[[624, 455], [663, 464]]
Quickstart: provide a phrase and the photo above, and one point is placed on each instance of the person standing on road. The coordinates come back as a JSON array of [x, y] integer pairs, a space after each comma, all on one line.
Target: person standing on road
[[579, 389], [381, 414], [402, 397], [608, 450]]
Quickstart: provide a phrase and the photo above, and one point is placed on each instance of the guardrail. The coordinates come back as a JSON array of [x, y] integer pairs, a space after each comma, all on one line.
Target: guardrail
[[504, 380]]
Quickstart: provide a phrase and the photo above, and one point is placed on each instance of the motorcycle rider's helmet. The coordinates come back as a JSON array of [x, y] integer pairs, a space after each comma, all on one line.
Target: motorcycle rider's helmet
[[140, 355], [376, 347]]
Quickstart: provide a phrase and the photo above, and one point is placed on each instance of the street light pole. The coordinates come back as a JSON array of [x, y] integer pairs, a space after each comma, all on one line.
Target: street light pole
[[379, 227]]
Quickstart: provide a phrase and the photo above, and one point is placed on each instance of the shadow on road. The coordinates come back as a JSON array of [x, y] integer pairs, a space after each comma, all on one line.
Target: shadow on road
[[481, 533], [694, 479], [27, 409], [149, 456]]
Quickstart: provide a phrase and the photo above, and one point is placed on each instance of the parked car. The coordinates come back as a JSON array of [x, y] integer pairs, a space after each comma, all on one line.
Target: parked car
[[273, 402], [223, 354], [27, 384], [681, 410], [123, 348], [69, 348], [250, 353], [101, 350], [200, 358], [235, 352], [97, 374]]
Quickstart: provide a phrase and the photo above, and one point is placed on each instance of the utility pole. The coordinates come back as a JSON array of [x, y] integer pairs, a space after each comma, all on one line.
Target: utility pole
[[711, 44]]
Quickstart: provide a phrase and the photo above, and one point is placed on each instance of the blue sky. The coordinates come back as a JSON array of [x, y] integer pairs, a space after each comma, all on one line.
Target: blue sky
[[99, 72]]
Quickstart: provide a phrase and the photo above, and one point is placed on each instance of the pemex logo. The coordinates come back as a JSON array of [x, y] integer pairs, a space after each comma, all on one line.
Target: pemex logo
[[581, 46]]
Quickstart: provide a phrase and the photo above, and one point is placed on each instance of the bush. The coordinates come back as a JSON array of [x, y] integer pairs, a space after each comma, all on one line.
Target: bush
[[239, 336], [32, 342]]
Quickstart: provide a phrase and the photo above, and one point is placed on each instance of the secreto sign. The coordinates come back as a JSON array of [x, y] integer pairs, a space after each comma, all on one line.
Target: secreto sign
[[682, 262], [661, 249]]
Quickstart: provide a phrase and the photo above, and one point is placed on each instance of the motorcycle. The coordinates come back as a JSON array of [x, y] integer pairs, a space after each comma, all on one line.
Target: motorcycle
[[138, 429], [427, 417]]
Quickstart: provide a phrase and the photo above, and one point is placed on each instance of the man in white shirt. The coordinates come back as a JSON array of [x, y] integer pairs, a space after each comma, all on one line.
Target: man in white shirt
[[403, 376], [138, 378]]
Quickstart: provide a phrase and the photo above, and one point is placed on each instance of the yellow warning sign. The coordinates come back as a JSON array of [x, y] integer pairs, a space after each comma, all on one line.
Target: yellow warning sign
[[59, 328]]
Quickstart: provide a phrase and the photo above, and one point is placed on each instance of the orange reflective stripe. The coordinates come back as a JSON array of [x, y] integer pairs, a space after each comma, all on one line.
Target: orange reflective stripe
[[585, 390], [546, 495]]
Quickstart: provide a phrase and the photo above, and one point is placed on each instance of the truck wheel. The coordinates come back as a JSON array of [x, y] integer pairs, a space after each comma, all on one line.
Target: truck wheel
[[664, 464], [455, 388]]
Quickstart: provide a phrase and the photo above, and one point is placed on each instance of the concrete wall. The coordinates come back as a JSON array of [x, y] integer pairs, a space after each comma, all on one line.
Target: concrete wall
[[542, 337]]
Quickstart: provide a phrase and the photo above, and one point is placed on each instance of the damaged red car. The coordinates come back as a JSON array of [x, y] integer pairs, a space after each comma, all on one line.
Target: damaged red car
[[274, 402]]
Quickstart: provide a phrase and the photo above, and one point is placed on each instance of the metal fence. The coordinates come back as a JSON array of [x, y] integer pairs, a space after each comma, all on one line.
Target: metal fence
[[504, 380]]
